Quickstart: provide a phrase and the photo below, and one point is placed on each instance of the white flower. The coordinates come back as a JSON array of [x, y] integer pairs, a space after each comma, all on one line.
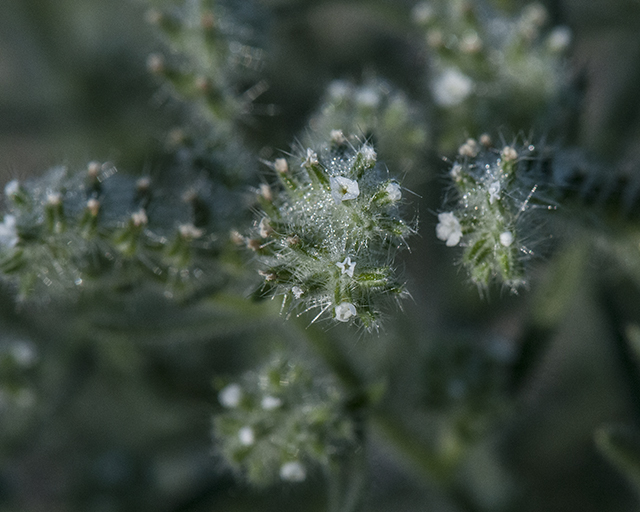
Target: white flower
[[344, 311], [54, 199], [230, 396], [559, 39], [139, 218], [368, 97], [8, 232], [369, 155], [293, 472], [449, 229], [506, 238], [451, 88], [494, 192], [24, 353], [281, 166], [339, 90], [189, 231], [269, 403], [470, 148], [422, 13], [347, 266], [343, 189], [11, 188], [337, 137], [456, 172], [246, 436], [509, 154], [393, 191]]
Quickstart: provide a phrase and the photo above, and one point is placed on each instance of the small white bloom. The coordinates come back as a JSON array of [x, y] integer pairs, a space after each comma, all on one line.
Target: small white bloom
[[230, 396], [190, 232], [470, 148], [24, 353], [494, 192], [471, 43], [485, 140], [281, 166], [269, 403], [54, 199], [451, 88], [422, 13], [347, 266], [343, 189], [311, 159], [93, 205], [559, 39], [337, 137], [344, 311], [8, 232], [456, 172], [506, 238], [369, 155], [293, 471], [246, 436], [339, 90], [265, 228], [297, 292], [265, 192], [143, 183], [11, 188], [509, 154], [394, 191], [139, 218], [368, 97], [449, 229]]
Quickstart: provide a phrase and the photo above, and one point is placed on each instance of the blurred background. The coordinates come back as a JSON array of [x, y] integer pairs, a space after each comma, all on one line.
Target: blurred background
[[106, 405]]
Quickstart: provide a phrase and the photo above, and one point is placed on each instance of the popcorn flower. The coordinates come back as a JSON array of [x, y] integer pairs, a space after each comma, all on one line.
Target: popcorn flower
[[449, 229], [343, 189], [344, 311], [293, 471]]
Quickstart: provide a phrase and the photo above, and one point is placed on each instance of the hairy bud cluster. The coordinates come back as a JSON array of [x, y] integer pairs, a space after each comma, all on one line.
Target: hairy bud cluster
[[493, 192], [64, 231], [278, 422], [327, 238], [208, 56]]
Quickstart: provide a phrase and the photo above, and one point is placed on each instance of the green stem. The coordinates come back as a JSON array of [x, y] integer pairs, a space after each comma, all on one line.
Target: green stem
[[347, 482]]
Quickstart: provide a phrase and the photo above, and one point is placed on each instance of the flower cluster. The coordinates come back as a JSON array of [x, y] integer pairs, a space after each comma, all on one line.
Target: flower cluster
[[494, 191], [486, 59], [64, 230], [327, 239], [377, 111], [278, 422]]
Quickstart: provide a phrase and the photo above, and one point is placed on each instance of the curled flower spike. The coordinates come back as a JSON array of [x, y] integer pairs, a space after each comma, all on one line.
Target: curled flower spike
[[495, 192], [338, 208], [285, 421]]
